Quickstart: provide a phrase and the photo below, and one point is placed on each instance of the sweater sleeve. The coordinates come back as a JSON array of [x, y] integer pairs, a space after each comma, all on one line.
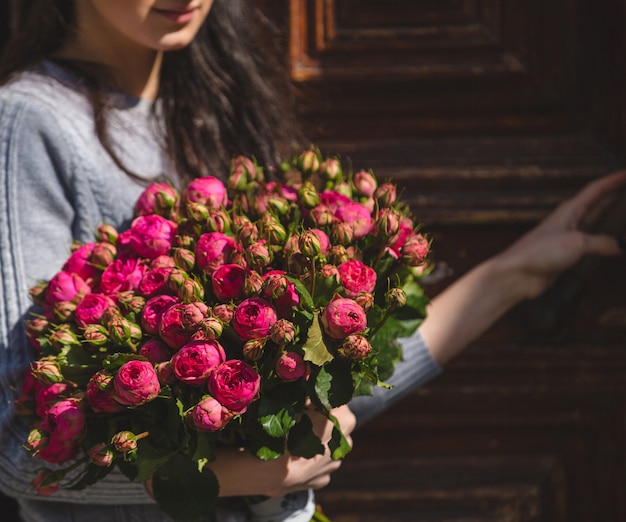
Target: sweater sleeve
[[416, 368], [41, 188]]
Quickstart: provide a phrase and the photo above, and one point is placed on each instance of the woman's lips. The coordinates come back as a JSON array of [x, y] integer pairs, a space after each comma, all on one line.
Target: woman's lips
[[177, 16]]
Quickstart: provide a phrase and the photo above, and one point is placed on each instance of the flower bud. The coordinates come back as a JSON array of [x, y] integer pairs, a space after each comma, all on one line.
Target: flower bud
[[190, 291], [96, 335], [46, 371], [355, 347], [310, 244], [211, 328], [101, 455], [107, 233], [165, 373], [243, 171], [395, 298], [103, 254], [224, 312], [63, 336], [274, 286], [253, 349], [330, 170], [130, 303], [258, 255], [278, 205], [184, 241], [218, 221], [37, 440], [366, 300], [342, 233], [415, 249], [46, 482], [388, 223], [308, 162], [308, 196], [290, 366], [184, 259], [338, 255], [36, 328], [63, 310], [272, 230], [385, 195], [120, 330], [247, 234], [124, 441], [196, 212], [365, 183], [37, 293], [322, 215], [344, 189], [253, 282], [176, 279], [282, 332]]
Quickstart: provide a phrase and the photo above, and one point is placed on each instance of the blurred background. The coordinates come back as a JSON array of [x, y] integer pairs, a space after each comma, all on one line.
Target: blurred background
[[488, 113]]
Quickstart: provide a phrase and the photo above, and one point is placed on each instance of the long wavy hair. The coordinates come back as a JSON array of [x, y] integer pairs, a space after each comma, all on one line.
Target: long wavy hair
[[225, 94]]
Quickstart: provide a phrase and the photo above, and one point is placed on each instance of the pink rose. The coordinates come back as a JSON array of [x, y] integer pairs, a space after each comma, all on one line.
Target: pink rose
[[152, 312], [195, 361], [210, 415], [235, 384], [100, 393], [209, 191], [91, 309], [152, 236], [154, 281], [406, 228], [66, 287], [343, 317], [228, 282], [253, 318], [122, 275], [358, 217], [156, 199], [290, 366], [136, 383], [180, 321], [334, 200], [155, 351], [356, 277], [213, 250], [79, 262], [65, 420]]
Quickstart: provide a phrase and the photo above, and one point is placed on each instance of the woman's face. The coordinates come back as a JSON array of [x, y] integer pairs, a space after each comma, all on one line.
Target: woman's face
[[159, 25]]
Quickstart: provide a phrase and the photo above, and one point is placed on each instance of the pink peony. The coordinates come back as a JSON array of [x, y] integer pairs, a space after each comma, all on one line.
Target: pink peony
[[343, 317], [59, 450], [152, 236], [235, 384], [136, 383], [228, 282], [180, 321], [356, 277], [122, 275], [91, 309], [406, 228], [46, 396], [213, 250], [79, 262], [66, 287], [155, 351], [334, 200], [253, 318], [358, 217], [210, 415], [154, 281], [290, 366], [195, 361], [288, 298], [152, 312], [209, 191], [65, 420]]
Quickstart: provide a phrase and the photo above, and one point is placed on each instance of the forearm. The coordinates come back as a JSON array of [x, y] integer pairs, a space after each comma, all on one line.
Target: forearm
[[468, 307]]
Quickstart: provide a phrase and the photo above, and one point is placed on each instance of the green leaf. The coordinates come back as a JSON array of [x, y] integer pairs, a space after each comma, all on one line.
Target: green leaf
[[302, 442], [334, 385], [182, 492], [315, 349], [275, 418], [338, 444], [266, 447], [91, 475], [307, 300], [149, 459]]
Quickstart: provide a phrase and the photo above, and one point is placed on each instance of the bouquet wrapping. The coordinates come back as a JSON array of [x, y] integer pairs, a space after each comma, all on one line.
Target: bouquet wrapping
[[220, 317]]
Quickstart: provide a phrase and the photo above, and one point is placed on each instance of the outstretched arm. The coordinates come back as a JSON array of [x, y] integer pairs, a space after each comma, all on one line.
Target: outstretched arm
[[525, 270]]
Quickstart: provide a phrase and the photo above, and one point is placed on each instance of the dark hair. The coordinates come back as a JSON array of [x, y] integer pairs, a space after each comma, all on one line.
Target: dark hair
[[227, 93]]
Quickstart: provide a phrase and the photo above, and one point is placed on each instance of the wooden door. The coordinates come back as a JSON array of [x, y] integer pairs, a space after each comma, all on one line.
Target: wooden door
[[489, 113]]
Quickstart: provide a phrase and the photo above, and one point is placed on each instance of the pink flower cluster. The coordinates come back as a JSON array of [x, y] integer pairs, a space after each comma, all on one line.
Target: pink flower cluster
[[208, 300]]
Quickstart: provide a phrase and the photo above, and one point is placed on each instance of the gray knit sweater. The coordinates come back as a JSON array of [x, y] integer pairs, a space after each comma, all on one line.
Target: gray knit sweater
[[57, 184]]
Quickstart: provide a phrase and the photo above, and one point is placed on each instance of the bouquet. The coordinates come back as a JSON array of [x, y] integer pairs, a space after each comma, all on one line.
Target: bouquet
[[219, 317]]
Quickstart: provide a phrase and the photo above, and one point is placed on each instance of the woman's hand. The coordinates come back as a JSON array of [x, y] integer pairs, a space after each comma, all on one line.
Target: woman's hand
[[523, 271], [239, 473]]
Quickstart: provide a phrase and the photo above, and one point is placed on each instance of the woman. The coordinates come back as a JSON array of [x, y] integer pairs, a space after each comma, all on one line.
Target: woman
[[101, 96]]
